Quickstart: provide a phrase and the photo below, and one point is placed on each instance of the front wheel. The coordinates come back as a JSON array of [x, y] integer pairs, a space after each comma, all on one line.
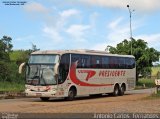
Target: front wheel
[[44, 98], [71, 95]]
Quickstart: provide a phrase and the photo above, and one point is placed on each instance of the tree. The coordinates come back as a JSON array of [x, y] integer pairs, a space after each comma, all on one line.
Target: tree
[[144, 55], [34, 48], [5, 48]]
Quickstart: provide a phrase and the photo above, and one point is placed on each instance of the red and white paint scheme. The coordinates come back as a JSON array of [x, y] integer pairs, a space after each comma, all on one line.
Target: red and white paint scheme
[[71, 73]]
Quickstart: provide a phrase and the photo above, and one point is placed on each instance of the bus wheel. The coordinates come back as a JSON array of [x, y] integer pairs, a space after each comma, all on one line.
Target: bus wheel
[[44, 98], [71, 94], [116, 90], [122, 90]]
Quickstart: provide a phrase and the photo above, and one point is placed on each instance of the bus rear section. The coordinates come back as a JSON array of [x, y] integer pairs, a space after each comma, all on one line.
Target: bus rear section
[[98, 74]]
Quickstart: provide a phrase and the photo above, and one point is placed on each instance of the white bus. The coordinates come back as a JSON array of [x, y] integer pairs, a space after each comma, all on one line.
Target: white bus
[[71, 73]]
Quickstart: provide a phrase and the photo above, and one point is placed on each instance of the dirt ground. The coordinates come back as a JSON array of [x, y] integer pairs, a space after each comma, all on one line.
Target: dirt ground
[[131, 103]]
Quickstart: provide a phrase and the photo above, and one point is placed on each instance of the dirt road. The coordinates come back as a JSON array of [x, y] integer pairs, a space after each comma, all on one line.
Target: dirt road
[[132, 101]]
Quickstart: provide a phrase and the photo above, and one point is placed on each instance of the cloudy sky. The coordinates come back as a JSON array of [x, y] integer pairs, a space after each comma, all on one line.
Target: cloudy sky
[[79, 24]]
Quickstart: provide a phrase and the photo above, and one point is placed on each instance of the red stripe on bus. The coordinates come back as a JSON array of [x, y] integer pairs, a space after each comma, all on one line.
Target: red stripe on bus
[[75, 80]]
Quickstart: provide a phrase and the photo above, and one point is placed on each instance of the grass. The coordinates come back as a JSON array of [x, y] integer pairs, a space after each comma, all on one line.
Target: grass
[[14, 87], [145, 83], [155, 71], [154, 96]]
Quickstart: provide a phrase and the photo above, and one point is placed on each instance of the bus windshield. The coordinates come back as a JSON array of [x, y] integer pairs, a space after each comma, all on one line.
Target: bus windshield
[[40, 70]]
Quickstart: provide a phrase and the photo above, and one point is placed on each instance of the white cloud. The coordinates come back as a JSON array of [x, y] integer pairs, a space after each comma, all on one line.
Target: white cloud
[[77, 31], [141, 5], [115, 23], [35, 7], [99, 46], [69, 13], [153, 40], [118, 31], [54, 30], [52, 33]]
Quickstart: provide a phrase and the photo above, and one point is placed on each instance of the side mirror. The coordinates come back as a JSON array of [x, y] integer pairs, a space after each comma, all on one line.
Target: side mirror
[[56, 68], [21, 67]]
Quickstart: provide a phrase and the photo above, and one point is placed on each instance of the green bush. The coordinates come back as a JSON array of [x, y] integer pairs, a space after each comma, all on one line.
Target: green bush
[[8, 86], [148, 83]]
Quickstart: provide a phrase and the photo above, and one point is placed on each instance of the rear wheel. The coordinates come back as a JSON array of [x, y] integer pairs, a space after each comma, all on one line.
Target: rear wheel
[[116, 90], [122, 90], [44, 98], [71, 94]]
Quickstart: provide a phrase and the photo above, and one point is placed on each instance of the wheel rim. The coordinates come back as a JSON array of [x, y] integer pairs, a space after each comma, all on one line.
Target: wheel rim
[[71, 94]]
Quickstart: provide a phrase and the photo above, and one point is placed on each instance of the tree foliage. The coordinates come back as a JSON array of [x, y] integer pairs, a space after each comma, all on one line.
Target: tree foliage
[[5, 48], [10, 60], [143, 54]]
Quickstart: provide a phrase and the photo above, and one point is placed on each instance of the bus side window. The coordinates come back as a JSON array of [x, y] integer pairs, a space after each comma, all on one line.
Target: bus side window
[[105, 62], [64, 67], [76, 57], [93, 62], [85, 61], [121, 61], [111, 62], [96, 62], [130, 63]]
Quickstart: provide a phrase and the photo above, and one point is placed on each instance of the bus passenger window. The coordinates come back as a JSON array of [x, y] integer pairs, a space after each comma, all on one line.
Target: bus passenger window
[[96, 62], [105, 62], [76, 57], [130, 63]]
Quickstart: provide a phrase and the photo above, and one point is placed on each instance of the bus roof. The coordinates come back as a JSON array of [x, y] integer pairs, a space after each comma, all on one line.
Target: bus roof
[[78, 51]]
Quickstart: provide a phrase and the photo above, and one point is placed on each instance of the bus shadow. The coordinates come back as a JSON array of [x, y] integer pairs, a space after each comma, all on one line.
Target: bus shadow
[[77, 98]]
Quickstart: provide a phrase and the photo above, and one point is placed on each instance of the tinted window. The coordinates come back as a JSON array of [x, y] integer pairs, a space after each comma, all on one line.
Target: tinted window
[[130, 63], [76, 57], [64, 67], [105, 62], [85, 61], [96, 61], [121, 62], [112, 62]]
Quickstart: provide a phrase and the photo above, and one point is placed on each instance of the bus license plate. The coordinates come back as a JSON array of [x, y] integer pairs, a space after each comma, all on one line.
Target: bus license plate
[[38, 94]]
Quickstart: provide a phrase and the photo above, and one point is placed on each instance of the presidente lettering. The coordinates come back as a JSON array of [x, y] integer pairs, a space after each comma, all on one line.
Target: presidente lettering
[[106, 73]]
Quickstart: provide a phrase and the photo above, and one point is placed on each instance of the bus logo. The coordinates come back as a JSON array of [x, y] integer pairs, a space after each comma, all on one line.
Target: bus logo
[[90, 73], [75, 80]]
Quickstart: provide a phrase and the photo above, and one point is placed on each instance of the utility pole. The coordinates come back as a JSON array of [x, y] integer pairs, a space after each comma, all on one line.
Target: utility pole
[[130, 16]]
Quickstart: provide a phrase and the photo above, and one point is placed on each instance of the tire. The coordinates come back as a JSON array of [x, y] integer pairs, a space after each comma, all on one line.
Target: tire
[[44, 98], [116, 90], [122, 90], [71, 94]]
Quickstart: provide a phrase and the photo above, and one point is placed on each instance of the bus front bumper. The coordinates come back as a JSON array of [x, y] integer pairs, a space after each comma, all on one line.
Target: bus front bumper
[[40, 94]]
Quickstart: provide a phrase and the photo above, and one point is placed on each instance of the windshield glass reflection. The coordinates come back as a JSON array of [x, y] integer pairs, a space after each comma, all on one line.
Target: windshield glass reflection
[[40, 75]]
